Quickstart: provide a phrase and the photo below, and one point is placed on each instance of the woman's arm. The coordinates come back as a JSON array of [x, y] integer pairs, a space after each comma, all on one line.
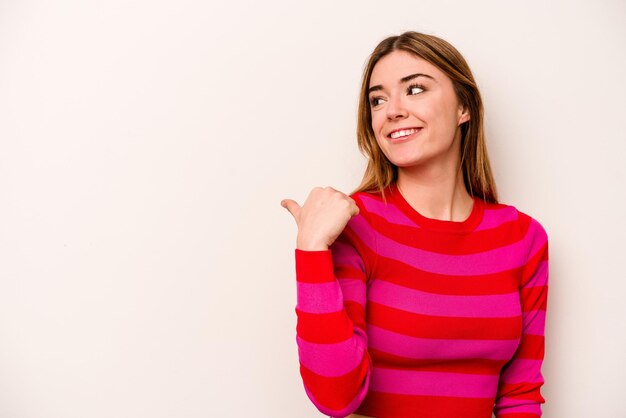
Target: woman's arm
[[519, 393], [331, 336], [332, 349]]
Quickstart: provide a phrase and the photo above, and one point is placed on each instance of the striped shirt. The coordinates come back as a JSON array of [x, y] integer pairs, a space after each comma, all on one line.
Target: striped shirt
[[409, 316]]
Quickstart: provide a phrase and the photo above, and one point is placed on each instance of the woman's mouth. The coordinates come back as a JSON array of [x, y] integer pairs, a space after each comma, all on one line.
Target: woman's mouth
[[403, 135]]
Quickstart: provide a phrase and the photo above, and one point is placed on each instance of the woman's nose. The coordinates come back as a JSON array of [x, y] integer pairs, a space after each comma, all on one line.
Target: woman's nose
[[396, 108]]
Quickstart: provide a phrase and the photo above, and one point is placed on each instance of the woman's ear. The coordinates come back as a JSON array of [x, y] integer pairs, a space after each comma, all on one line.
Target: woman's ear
[[464, 115]]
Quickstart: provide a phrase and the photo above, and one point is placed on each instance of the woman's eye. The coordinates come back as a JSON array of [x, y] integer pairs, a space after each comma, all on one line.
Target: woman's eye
[[415, 89], [375, 101]]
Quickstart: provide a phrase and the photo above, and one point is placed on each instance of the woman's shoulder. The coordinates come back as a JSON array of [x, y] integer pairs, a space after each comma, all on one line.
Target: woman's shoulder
[[372, 204], [366, 199], [373, 196], [503, 212], [367, 193]]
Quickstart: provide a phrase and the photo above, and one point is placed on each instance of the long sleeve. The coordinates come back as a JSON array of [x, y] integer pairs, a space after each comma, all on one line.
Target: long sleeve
[[519, 393], [331, 336]]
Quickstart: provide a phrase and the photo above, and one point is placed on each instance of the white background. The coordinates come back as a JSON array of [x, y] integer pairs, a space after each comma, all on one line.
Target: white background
[[146, 265]]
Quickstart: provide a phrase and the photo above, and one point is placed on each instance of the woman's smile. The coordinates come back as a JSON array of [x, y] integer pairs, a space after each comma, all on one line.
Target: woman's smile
[[403, 135]]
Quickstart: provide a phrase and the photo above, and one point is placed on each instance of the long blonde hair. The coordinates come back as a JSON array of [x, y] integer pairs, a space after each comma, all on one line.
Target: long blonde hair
[[380, 172]]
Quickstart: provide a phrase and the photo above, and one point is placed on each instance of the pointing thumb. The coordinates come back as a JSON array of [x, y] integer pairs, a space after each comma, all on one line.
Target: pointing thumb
[[292, 206]]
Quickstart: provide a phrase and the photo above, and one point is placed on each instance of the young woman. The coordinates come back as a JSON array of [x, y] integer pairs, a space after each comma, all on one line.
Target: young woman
[[420, 295]]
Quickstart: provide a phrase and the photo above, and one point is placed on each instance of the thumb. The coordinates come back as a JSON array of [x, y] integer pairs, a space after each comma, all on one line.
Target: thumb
[[292, 206]]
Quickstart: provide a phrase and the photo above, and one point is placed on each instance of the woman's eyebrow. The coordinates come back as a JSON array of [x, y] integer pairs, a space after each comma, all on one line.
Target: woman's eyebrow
[[402, 80]]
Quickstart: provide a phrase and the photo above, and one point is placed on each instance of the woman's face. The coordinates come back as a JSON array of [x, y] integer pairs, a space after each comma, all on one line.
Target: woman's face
[[415, 111]]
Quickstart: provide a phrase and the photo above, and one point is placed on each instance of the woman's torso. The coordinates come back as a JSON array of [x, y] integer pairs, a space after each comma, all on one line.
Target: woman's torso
[[442, 302]]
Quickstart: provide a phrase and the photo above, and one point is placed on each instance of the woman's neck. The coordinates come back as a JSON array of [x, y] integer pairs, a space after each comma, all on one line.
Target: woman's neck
[[436, 193]]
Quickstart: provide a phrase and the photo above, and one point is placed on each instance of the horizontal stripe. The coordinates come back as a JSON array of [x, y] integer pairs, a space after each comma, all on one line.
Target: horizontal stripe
[[540, 277], [412, 382], [534, 298], [519, 415], [326, 328], [426, 240], [314, 266], [356, 312], [523, 394], [534, 322], [353, 290], [341, 412], [540, 238], [337, 395], [360, 227], [424, 326], [516, 407], [401, 274], [520, 394], [345, 254], [496, 260], [531, 347], [389, 211], [345, 271], [432, 348], [332, 360], [533, 264], [416, 301], [459, 365], [494, 218], [522, 370], [380, 404], [319, 298]]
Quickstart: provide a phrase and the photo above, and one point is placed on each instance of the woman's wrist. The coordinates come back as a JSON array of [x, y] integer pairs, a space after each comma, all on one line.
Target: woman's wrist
[[304, 244]]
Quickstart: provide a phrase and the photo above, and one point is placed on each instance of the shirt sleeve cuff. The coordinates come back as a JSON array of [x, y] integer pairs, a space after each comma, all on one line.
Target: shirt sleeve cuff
[[314, 266]]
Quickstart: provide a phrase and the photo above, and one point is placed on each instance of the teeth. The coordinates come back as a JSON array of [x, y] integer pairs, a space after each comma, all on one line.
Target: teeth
[[403, 132]]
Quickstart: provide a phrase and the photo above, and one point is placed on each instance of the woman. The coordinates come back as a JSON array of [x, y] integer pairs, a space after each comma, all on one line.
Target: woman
[[419, 295]]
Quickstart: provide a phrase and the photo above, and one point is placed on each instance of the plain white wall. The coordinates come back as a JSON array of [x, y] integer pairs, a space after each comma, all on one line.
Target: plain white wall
[[146, 266]]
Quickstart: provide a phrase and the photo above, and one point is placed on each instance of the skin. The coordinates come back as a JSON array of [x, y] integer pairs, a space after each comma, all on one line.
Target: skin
[[429, 175]]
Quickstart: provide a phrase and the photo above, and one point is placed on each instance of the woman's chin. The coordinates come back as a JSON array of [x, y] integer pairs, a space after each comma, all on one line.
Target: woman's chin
[[407, 163]]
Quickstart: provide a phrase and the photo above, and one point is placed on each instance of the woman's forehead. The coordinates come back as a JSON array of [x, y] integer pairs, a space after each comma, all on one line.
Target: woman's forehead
[[399, 64]]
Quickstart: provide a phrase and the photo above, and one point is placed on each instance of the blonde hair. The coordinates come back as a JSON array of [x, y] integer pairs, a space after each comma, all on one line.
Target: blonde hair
[[380, 172]]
